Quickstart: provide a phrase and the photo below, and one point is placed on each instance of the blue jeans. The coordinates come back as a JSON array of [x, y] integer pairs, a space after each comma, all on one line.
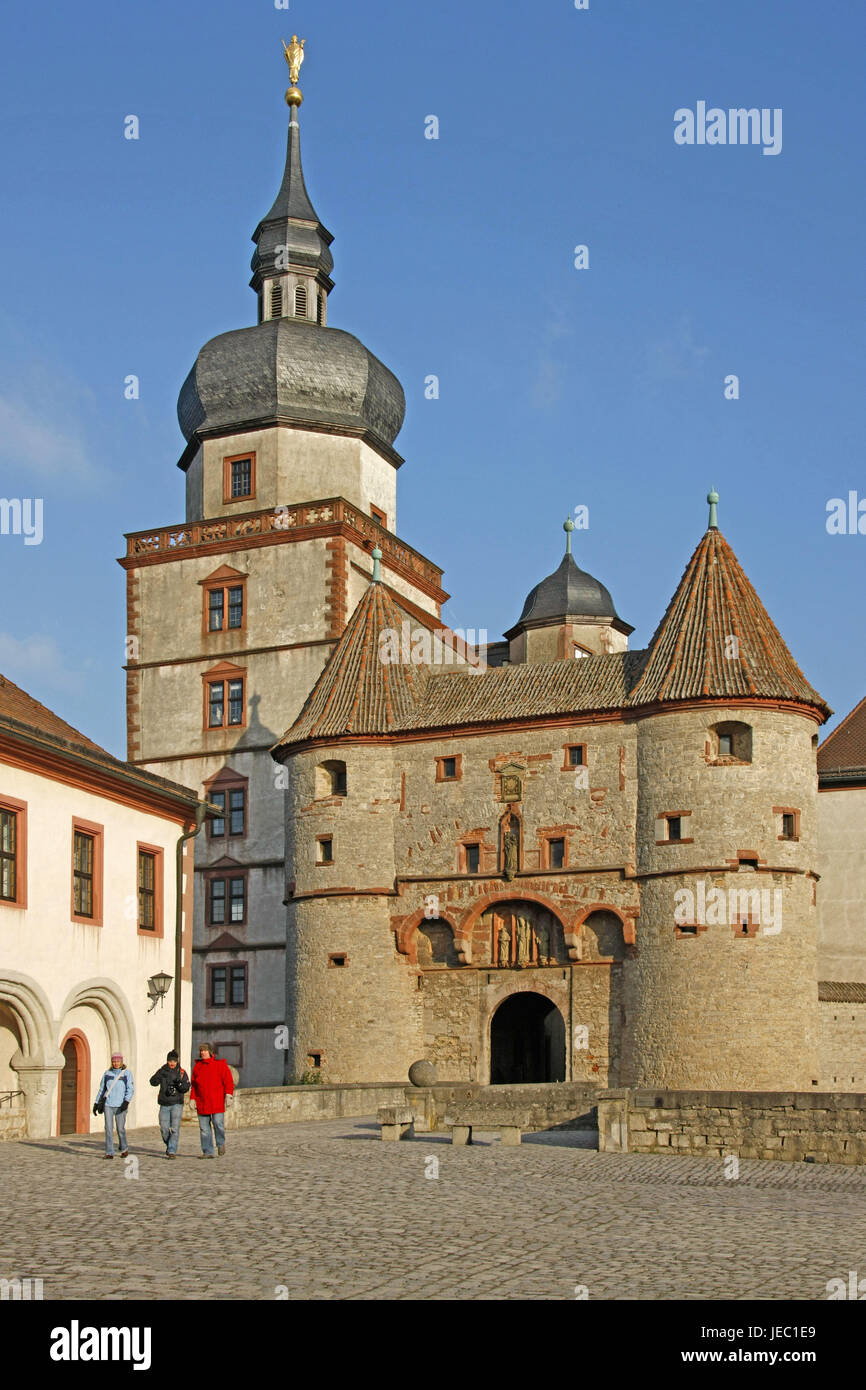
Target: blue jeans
[[219, 1131], [169, 1125], [114, 1115]]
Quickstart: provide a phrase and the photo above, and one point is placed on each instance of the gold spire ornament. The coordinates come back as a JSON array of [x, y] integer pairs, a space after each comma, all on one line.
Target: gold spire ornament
[[294, 55]]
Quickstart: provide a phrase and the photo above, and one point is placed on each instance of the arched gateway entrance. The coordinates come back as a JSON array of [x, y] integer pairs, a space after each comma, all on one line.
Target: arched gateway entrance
[[527, 1041]]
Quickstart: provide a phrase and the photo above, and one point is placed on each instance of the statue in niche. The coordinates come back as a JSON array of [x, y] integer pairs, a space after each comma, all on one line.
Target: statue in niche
[[510, 846], [523, 929], [504, 946], [542, 937]]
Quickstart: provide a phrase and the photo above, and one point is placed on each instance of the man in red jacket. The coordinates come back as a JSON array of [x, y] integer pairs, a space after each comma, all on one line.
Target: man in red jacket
[[212, 1086]]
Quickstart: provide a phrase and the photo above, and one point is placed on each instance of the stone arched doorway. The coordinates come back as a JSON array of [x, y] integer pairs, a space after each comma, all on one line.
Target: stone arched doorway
[[527, 1041], [73, 1115]]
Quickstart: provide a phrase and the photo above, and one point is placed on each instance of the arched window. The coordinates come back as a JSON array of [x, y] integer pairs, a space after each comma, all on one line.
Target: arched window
[[330, 779], [300, 302], [276, 301], [730, 742]]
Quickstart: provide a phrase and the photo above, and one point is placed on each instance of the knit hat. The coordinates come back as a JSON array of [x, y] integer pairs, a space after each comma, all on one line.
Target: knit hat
[[116, 1057], [172, 1056]]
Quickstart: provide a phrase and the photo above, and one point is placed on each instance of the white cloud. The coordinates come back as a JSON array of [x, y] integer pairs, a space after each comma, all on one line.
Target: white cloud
[[677, 354], [33, 443], [28, 658]]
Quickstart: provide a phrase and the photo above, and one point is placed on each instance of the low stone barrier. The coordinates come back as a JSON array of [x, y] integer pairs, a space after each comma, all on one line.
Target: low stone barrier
[[280, 1105], [788, 1126], [535, 1107]]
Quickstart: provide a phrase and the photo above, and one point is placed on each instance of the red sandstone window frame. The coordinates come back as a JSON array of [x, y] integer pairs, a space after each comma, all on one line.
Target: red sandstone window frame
[[473, 842], [223, 675], [788, 811], [230, 1042], [156, 852], [210, 586], [228, 966], [667, 817], [315, 1059], [226, 781], [96, 832], [228, 460], [321, 840], [546, 841], [226, 872], [378, 515], [18, 809], [568, 766], [457, 759]]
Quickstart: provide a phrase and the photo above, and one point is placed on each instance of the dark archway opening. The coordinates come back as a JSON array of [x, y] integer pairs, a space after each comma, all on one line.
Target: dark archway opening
[[527, 1041]]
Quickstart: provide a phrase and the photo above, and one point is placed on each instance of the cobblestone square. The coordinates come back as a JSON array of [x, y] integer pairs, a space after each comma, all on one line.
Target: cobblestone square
[[327, 1211]]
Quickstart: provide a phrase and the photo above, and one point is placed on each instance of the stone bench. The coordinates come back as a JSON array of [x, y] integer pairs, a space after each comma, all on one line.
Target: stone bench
[[396, 1121], [461, 1124]]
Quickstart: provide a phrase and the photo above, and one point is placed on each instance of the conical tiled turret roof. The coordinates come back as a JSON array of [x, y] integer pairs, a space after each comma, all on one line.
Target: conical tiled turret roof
[[358, 692], [717, 639]]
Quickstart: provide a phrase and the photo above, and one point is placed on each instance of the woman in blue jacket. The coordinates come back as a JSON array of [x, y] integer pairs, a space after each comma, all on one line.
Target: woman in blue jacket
[[116, 1090]]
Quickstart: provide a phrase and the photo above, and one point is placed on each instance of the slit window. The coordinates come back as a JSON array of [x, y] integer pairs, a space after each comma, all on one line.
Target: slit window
[[325, 849], [556, 853], [9, 856], [146, 891], [675, 827], [82, 874]]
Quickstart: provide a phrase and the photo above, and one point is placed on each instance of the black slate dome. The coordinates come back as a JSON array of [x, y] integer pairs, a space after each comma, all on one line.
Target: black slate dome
[[286, 369], [567, 593]]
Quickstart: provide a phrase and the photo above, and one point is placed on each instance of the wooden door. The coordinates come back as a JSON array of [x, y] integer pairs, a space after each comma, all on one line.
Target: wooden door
[[69, 1089]]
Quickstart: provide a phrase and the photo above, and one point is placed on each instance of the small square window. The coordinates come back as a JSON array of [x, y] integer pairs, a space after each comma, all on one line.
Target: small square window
[[575, 755], [379, 516], [449, 769], [338, 960], [472, 854], [314, 1059], [325, 850], [675, 828], [726, 745], [555, 854], [789, 826]]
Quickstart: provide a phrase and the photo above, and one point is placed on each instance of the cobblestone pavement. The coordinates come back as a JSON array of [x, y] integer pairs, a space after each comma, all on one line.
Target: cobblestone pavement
[[327, 1211]]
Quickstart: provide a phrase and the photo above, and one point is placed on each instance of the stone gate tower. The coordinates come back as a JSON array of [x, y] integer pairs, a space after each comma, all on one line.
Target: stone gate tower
[[291, 478]]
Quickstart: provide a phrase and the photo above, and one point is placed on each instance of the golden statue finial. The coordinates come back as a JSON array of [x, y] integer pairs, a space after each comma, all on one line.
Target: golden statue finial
[[294, 55]]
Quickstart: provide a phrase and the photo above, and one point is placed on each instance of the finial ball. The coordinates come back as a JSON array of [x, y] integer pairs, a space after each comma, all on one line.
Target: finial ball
[[568, 524]]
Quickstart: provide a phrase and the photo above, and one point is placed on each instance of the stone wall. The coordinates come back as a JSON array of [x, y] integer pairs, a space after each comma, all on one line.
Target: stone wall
[[842, 1045], [784, 1125]]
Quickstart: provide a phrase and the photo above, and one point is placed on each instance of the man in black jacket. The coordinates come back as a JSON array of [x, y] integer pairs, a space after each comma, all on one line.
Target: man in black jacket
[[173, 1084]]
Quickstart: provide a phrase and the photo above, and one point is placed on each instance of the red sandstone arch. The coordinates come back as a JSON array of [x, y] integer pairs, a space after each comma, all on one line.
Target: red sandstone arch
[[406, 934], [511, 892]]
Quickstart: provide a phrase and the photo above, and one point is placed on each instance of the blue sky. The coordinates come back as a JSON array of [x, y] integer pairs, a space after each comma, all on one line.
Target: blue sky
[[453, 257]]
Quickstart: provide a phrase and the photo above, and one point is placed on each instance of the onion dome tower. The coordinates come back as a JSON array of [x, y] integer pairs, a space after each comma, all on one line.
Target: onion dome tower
[[570, 613], [291, 369]]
